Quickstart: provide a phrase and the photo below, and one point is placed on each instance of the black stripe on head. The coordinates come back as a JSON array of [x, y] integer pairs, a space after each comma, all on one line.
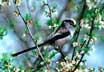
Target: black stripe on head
[[71, 22]]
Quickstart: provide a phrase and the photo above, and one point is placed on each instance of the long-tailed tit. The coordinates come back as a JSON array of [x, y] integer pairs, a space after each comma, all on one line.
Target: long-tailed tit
[[59, 36]]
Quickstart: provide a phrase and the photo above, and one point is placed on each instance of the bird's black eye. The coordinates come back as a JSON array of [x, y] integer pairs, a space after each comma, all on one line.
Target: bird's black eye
[[71, 22]]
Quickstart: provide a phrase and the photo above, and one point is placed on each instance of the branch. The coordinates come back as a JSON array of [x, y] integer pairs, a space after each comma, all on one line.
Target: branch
[[50, 11], [90, 36], [60, 51], [30, 34], [36, 31], [76, 34]]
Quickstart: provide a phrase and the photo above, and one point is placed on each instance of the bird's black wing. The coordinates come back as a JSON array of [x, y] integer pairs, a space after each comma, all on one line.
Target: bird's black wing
[[58, 36]]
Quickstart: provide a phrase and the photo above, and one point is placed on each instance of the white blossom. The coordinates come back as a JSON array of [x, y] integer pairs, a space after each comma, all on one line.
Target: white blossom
[[75, 44], [86, 37], [81, 63]]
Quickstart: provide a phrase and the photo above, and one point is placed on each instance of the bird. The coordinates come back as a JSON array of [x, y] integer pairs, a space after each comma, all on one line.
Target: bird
[[58, 37]]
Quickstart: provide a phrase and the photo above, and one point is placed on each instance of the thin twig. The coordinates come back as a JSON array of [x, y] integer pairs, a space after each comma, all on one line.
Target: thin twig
[[30, 34], [36, 31], [32, 37], [50, 11]]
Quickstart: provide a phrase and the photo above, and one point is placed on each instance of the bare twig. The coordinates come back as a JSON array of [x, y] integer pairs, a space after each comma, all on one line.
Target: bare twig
[[50, 11]]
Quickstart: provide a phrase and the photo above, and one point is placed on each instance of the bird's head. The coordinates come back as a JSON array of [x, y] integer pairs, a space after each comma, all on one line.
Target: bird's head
[[66, 25], [69, 22], [69, 25]]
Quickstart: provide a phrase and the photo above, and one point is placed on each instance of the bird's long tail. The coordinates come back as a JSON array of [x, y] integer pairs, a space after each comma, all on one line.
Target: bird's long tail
[[29, 49]]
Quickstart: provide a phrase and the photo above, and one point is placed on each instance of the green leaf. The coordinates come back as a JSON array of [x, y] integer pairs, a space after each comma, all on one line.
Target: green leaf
[[46, 55], [37, 23], [55, 21], [88, 14], [94, 34], [49, 22], [58, 23], [36, 36], [89, 23], [42, 63], [97, 25], [27, 17], [60, 66], [81, 39], [54, 6], [22, 67], [86, 49], [4, 57], [52, 54], [67, 58], [25, 30], [3, 32], [11, 23]]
